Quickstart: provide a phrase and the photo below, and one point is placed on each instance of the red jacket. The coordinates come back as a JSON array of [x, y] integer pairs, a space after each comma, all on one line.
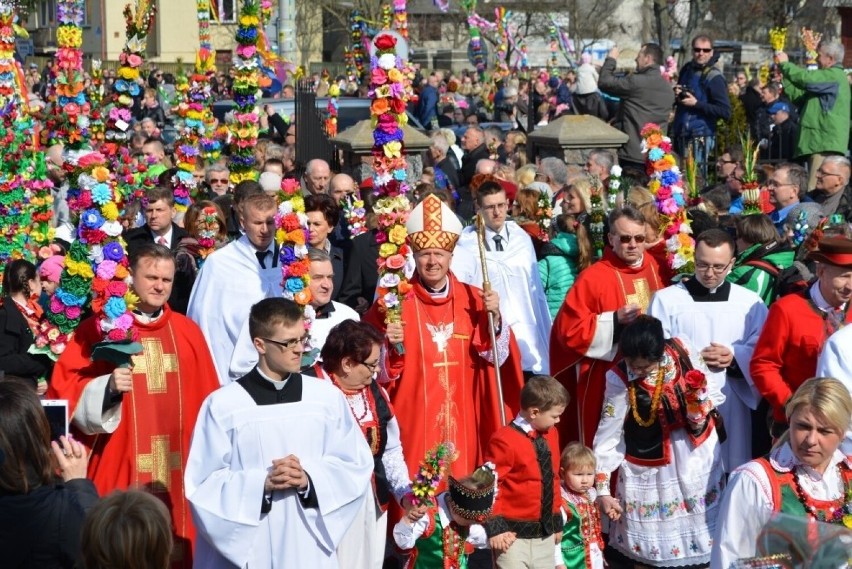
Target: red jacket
[[788, 348], [519, 479]]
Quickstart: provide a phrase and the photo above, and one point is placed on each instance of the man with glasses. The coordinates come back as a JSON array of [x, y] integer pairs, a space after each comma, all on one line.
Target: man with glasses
[[513, 272], [278, 468], [605, 297], [724, 321], [832, 191], [786, 187], [701, 98], [823, 96], [326, 315], [218, 179]]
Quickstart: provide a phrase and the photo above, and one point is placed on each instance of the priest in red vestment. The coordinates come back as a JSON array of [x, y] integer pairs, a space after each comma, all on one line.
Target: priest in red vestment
[[137, 421], [584, 339], [798, 326], [443, 386]]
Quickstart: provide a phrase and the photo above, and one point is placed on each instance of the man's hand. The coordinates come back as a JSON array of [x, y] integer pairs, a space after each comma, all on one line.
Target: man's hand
[[502, 542], [613, 53], [286, 473], [717, 356], [628, 313], [492, 305], [688, 100], [121, 380], [781, 57], [394, 333], [609, 506]]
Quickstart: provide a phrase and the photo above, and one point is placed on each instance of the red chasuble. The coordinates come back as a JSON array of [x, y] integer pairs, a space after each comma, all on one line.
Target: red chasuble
[[582, 348], [449, 395], [149, 448]]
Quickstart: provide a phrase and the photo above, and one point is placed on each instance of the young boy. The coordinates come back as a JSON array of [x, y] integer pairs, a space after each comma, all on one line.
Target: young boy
[[527, 519], [582, 544], [450, 525]]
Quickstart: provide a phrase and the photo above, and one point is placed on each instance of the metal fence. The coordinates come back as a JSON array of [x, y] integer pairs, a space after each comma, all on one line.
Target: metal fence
[[311, 138]]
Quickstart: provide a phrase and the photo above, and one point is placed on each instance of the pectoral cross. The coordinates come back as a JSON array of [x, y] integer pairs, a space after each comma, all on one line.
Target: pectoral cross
[[160, 463], [641, 295], [155, 364]]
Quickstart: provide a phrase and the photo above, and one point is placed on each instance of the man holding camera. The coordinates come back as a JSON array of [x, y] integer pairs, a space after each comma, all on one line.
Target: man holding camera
[[701, 99]]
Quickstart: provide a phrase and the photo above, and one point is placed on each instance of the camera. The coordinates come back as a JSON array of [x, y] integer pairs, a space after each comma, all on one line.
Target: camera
[[684, 92]]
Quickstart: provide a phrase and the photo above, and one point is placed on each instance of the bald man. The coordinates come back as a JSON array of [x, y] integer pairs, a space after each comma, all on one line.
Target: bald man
[[473, 144], [316, 178], [341, 185]]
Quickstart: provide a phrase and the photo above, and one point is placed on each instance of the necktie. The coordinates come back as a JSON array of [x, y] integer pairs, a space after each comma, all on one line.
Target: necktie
[[161, 241], [498, 243], [545, 465], [261, 257]]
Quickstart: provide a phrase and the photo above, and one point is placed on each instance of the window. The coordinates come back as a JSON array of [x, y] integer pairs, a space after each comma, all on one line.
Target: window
[[46, 13], [223, 11]]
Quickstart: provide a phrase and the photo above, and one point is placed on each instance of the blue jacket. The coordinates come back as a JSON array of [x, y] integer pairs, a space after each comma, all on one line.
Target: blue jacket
[[558, 269], [708, 85]]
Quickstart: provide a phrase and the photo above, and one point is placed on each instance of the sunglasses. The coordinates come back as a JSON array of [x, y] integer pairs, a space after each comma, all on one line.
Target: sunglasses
[[702, 49], [625, 239], [218, 181]]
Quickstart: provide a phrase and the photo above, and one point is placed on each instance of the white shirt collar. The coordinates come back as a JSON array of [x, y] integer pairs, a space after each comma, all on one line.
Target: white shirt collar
[[820, 301], [783, 460], [279, 384], [523, 424], [167, 236]]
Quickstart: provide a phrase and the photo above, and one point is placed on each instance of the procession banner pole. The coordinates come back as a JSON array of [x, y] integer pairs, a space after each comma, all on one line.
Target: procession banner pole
[[486, 286]]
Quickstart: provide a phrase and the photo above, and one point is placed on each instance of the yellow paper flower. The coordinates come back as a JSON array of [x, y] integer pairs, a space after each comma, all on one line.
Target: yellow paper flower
[[393, 149], [387, 249], [80, 268], [130, 299], [298, 203], [129, 73], [249, 21], [110, 211], [395, 75], [653, 186], [100, 174], [397, 234]]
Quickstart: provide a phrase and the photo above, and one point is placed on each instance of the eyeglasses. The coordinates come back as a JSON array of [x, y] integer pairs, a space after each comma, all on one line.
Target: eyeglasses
[[218, 180], [641, 369], [625, 239], [373, 367], [496, 207], [702, 49], [822, 172], [291, 343], [703, 267]]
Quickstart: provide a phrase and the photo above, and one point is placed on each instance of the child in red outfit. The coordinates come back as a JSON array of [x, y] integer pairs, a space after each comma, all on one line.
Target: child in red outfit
[[527, 520]]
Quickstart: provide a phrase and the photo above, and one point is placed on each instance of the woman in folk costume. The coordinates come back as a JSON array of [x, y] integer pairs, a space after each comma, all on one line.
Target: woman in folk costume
[[350, 359], [658, 428], [439, 370], [450, 530], [805, 476]]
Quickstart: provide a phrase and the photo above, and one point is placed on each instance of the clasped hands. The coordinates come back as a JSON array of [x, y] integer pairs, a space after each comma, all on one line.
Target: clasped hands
[[286, 473]]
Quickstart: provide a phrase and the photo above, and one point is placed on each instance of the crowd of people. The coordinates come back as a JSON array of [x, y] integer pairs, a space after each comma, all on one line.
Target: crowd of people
[[593, 405]]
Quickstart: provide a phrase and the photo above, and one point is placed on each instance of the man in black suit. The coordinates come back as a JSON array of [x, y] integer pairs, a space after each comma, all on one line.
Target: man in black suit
[[159, 227], [361, 277]]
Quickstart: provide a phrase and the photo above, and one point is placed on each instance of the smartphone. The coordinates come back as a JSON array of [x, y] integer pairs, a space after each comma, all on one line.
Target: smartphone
[[57, 416]]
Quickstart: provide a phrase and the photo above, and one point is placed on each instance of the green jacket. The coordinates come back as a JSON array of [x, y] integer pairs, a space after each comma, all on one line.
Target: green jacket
[[757, 279], [558, 268], [823, 98]]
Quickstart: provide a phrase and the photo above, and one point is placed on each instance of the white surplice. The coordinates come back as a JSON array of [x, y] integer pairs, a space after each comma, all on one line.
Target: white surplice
[[736, 323], [230, 282], [835, 360], [747, 504], [514, 275], [233, 446]]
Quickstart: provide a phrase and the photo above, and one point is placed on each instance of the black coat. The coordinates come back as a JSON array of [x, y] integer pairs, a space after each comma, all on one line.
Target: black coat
[[142, 235], [42, 529], [361, 275], [448, 167], [15, 339]]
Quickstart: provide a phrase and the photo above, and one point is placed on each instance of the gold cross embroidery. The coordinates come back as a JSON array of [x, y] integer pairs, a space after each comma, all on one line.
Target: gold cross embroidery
[[641, 295], [160, 463], [154, 364]]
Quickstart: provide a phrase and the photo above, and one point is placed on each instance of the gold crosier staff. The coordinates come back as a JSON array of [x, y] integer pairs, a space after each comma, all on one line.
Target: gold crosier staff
[[486, 286]]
